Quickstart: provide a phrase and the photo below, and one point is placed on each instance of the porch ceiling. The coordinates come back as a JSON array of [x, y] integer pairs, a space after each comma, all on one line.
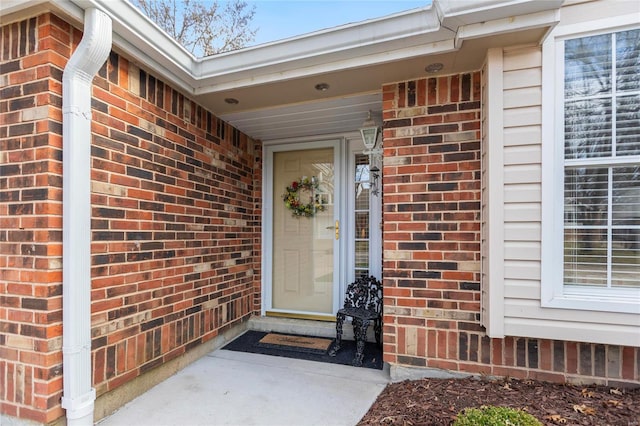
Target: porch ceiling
[[294, 108]]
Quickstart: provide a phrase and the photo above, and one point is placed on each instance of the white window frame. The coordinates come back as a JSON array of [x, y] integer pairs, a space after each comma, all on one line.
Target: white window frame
[[356, 146], [554, 294]]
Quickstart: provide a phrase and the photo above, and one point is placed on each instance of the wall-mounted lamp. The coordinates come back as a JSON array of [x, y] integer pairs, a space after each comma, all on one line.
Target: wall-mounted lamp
[[369, 132]]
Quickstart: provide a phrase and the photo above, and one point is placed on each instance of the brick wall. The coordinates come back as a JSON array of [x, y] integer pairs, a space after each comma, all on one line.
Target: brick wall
[[33, 55], [431, 218], [175, 221], [431, 238]]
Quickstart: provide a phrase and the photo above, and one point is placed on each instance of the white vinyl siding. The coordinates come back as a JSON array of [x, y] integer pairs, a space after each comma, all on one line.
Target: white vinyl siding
[[520, 194], [522, 172]]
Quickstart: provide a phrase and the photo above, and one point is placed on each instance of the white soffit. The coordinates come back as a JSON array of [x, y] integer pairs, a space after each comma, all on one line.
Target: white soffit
[[324, 117]]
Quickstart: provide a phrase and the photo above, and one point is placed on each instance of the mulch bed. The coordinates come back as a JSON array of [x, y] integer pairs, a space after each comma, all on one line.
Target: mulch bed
[[437, 401]]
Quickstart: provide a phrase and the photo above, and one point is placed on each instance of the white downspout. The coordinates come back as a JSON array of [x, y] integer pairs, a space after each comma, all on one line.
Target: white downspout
[[78, 394]]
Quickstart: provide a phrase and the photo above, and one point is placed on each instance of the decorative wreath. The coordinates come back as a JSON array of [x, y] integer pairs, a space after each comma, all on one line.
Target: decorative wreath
[[292, 198]]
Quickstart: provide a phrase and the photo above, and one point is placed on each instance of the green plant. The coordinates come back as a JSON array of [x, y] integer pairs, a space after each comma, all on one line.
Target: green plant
[[495, 416]]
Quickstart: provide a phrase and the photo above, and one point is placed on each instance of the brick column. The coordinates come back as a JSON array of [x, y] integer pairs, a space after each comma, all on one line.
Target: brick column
[[431, 221]]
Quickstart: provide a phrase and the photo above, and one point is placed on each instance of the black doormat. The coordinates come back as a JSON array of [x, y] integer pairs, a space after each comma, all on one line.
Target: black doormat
[[250, 342]]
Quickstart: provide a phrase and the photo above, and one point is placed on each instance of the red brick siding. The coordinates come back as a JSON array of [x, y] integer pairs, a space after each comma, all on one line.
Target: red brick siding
[[431, 243], [33, 54], [174, 227], [175, 221]]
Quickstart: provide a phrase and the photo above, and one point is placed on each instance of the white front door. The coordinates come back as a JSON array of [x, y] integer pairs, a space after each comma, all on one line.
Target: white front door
[[303, 229], [323, 234]]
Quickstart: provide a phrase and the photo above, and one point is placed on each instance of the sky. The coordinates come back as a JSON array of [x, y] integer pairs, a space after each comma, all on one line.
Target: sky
[[279, 19]]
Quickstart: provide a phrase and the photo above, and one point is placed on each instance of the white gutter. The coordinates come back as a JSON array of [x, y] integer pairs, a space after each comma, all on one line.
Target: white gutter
[[78, 395]]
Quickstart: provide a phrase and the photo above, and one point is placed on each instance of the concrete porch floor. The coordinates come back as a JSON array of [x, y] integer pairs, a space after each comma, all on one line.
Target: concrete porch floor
[[234, 388]]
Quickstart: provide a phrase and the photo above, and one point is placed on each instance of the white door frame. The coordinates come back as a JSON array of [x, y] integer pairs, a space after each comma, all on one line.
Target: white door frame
[[345, 148]]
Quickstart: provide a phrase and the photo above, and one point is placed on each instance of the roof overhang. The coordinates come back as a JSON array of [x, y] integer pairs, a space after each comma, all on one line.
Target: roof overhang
[[276, 80]]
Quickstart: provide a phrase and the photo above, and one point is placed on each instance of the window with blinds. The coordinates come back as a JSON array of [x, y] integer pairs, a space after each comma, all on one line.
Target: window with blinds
[[602, 160]]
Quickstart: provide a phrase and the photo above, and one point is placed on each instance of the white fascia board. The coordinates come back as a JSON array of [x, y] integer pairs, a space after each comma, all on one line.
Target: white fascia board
[[132, 22], [456, 13], [414, 27], [549, 18], [17, 10], [467, 7], [347, 37], [299, 69]]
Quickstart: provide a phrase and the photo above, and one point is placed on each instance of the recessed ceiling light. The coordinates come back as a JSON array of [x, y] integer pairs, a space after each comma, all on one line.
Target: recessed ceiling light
[[232, 101], [435, 67], [322, 87]]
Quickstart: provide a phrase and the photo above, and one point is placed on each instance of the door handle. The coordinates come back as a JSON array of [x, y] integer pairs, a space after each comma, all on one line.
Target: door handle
[[336, 228]]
